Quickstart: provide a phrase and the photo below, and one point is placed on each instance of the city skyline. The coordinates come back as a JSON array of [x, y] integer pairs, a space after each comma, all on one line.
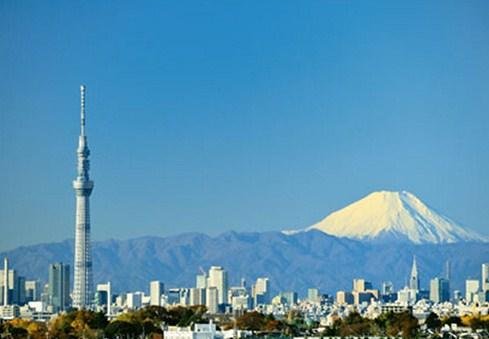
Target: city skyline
[[259, 127]]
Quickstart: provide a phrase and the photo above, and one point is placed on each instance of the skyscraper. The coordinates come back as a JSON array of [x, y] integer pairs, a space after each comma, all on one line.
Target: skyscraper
[[218, 278], [439, 290], [414, 279], [83, 285], [201, 280], [261, 291], [485, 277], [103, 297], [59, 286], [471, 289], [5, 284], [156, 289], [32, 290], [12, 286], [212, 300]]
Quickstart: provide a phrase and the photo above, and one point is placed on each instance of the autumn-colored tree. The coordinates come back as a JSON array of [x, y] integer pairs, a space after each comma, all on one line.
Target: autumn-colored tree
[[251, 321], [402, 323], [354, 324], [37, 330], [78, 323], [119, 328], [478, 322]]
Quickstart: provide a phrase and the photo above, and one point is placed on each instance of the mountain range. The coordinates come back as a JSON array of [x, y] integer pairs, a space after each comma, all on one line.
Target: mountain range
[[292, 260]]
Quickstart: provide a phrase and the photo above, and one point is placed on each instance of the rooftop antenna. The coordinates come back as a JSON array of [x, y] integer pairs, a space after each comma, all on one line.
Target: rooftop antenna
[[82, 109]]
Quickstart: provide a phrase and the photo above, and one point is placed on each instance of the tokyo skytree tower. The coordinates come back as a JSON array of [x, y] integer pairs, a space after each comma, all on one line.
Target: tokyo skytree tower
[[83, 282]]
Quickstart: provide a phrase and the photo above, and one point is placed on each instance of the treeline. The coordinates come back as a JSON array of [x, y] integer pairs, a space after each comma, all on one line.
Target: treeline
[[149, 322]]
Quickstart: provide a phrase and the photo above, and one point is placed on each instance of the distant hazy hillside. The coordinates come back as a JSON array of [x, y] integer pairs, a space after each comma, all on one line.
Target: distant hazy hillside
[[293, 262]]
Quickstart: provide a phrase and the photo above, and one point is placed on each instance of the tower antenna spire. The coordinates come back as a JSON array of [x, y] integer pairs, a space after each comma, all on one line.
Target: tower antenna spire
[[82, 109]]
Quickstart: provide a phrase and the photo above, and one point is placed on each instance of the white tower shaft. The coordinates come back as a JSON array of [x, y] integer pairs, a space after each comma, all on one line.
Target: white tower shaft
[[83, 282], [5, 281]]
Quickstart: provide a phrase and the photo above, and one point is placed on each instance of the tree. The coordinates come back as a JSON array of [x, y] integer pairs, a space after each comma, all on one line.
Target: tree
[[452, 320], [477, 322], [251, 321], [433, 322], [37, 330], [119, 328], [405, 324], [354, 324]]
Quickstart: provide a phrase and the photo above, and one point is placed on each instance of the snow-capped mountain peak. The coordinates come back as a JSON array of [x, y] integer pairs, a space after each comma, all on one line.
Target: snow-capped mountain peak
[[394, 216]]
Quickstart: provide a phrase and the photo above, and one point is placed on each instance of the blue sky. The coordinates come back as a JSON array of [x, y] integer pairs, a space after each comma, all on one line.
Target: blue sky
[[210, 116]]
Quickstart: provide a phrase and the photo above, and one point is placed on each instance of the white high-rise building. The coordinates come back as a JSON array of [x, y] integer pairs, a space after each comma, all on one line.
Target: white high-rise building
[[5, 283], [313, 295], [201, 280], [439, 290], [361, 285], [485, 277], [196, 296], [212, 300], [134, 300], [12, 286], [240, 302], [471, 289], [261, 291], [387, 287], [83, 283], [107, 289], [156, 289], [406, 296], [218, 278], [184, 297]]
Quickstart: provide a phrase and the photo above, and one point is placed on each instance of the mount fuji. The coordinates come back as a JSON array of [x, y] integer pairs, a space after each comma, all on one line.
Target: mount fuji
[[394, 216]]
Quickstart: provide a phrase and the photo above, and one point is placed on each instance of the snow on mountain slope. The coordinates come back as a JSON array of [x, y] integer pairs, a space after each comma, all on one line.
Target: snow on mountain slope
[[390, 216]]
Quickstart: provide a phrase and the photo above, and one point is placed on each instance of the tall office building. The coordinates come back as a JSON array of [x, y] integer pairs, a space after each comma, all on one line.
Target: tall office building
[[59, 286], [261, 291], [361, 285], [344, 297], [83, 284], [313, 295], [414, 279], [134, 300], [485, 277], [471, 289], [201, 280], [32, 290], [12, 286], [212, 299], [439, 290], [103, 297], [156, 289], [5, 282], [218, 278], [290, 297], [387, 287], [197, 296]]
